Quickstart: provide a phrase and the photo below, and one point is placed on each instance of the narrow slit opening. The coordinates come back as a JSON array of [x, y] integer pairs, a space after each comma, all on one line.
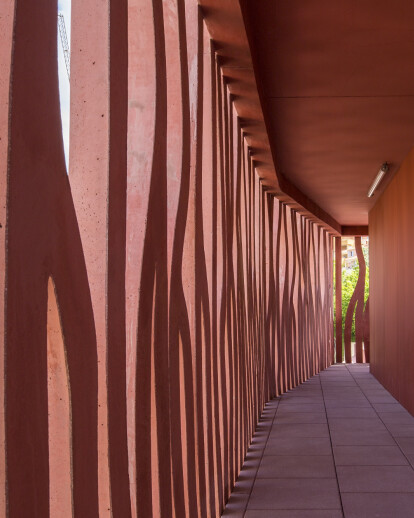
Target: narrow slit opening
[[63, 43]]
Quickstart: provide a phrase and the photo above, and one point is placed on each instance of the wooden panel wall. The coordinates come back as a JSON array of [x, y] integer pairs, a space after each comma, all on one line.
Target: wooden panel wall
[[157, 296], [392, 285]]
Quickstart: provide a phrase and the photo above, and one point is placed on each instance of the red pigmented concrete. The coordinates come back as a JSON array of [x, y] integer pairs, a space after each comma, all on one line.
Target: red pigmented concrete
[[6, 30], [89, 178], [391, 285], [44, 241], [157, 297]]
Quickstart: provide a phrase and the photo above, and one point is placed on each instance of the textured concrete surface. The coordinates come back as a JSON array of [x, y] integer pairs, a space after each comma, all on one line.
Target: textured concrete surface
[[338, 445], [157, 295], [391, 286]]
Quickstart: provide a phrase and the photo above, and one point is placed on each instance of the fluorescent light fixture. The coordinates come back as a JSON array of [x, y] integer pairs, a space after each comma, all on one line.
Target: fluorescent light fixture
[[384, 168]]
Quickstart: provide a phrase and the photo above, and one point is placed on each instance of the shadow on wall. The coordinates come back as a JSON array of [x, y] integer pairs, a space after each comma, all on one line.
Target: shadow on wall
[[184, 295]]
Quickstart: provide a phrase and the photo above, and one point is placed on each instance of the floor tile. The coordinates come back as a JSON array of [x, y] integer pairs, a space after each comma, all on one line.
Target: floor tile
[[375, 479], [310, 392], [330, 393], [355, 393], [361, 438], [297, 466], [401, 430], [303, 430], [337, 378], [406, 444], [381, 399], [298, 446], [369, 456], [311, 407], [244, 484], [356, 424], [352, 412], [319, 513], [402, 417], [378, 505], [295, 494], [375, 391], [301, 400], [303, 392], [301, 417], [347, 403], [259, 440], [387, 407], [357, 399], [339, 384], [236, 505], [368, 384]]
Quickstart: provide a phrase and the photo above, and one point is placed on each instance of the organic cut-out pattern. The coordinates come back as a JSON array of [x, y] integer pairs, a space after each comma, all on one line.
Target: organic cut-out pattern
[[188, 294]]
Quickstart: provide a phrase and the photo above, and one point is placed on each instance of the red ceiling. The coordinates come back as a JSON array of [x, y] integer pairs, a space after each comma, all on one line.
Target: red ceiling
[[337, 81]]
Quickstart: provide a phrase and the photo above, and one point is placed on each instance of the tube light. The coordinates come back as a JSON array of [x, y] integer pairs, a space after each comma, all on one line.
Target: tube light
[[384, 168]]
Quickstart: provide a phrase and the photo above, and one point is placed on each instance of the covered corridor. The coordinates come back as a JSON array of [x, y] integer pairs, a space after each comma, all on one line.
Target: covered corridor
[[338, 445], [174, 275]]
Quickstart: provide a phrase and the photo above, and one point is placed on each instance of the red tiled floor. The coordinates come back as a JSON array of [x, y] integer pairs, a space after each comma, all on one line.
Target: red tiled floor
[[337, 446], [377, 505], [369, 456], [304, 430], [319, 513], [406, 444], [355, 413], [303, 418], [298, 446], [375, 479], [361, 438], [297, 466], [290, 493]]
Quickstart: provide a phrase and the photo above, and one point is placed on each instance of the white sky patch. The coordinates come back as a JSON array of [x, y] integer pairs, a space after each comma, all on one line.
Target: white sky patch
[[64, 7]]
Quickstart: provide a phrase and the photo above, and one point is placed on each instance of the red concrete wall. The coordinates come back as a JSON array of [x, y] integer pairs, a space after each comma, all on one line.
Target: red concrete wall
[[156, 297], [392, 285], [6, 31]]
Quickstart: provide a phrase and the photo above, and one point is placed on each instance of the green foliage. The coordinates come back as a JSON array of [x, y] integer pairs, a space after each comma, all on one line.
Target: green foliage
[[349, 280]]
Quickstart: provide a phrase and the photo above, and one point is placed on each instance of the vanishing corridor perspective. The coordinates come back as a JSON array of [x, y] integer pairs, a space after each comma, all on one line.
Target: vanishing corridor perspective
[[180, 275]]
